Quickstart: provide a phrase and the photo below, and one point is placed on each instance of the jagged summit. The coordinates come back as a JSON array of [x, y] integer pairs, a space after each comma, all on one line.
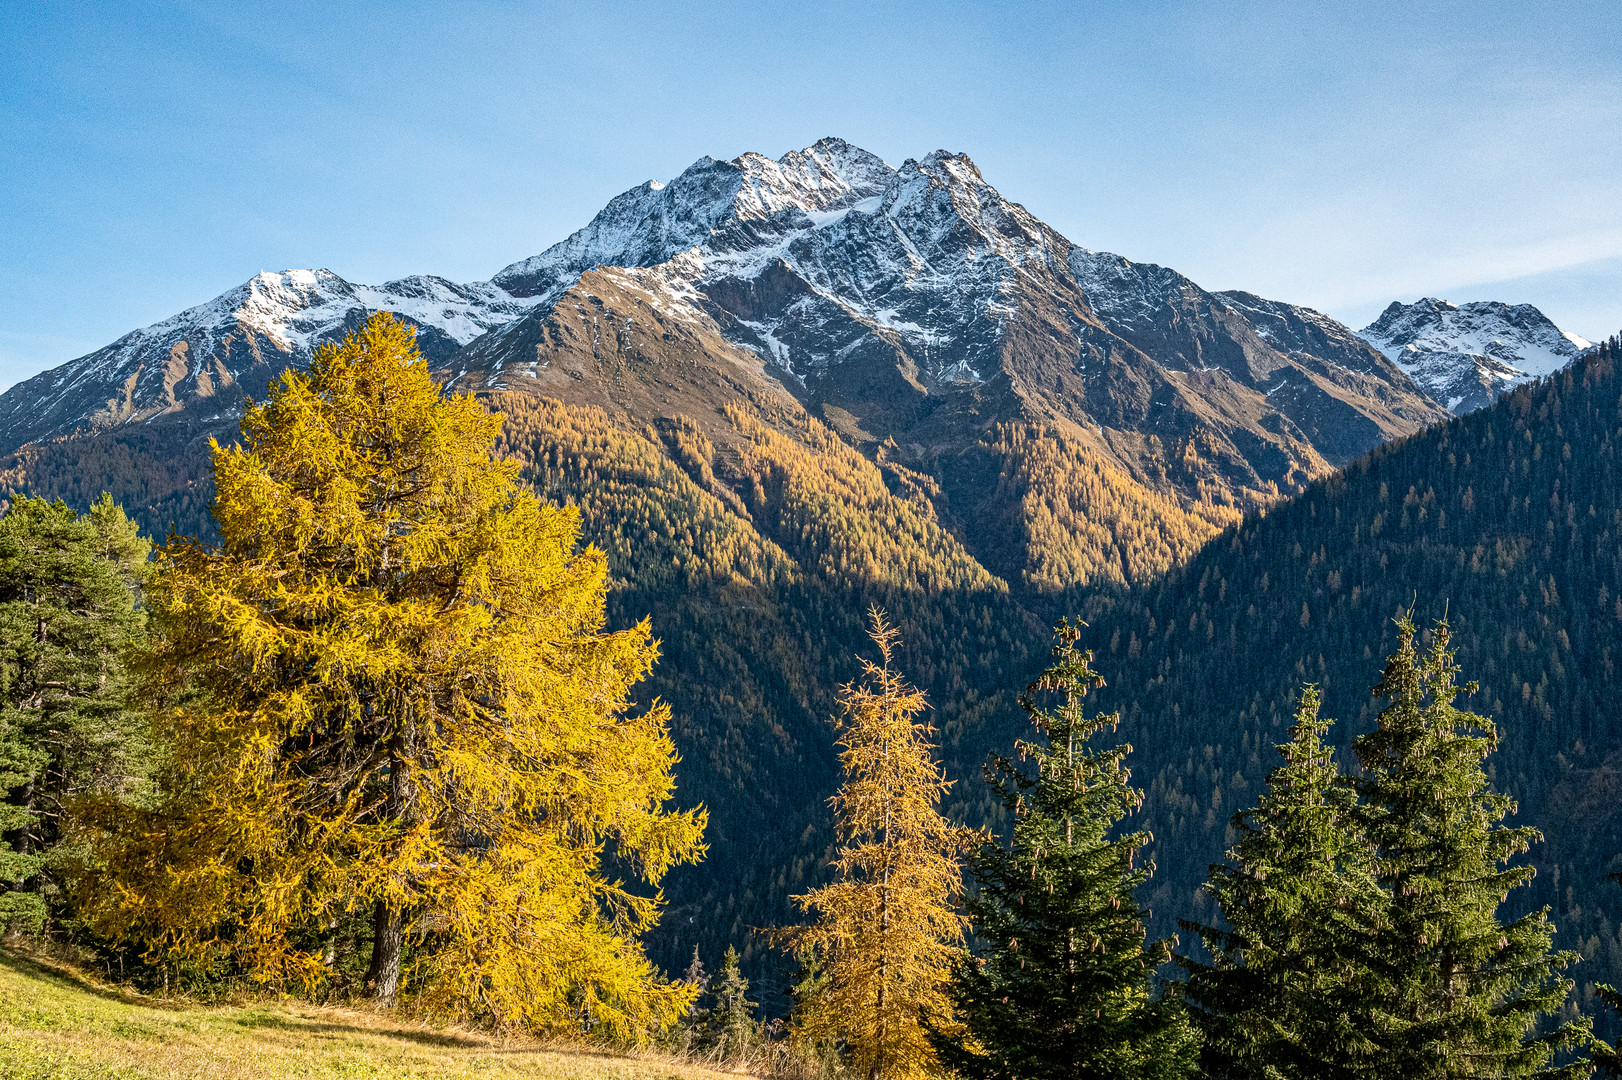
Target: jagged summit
[[724, 205], [1467, 355], [888, 300]]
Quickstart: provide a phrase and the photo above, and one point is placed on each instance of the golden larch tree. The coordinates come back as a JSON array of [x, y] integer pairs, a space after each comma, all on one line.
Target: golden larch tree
[[387, 689], [887, 929]]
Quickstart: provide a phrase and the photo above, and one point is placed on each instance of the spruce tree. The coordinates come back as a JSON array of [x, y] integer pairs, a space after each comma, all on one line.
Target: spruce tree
[[696, 975], [1063, 986], [1461, 994], [69, 585], [1283, 994], [729, 1030]]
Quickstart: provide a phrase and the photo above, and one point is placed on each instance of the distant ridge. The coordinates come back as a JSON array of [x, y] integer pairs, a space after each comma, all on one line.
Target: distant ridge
[[1468, 356]]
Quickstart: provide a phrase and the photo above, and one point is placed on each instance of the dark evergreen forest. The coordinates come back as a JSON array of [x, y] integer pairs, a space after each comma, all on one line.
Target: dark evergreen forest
[[1507, 522]]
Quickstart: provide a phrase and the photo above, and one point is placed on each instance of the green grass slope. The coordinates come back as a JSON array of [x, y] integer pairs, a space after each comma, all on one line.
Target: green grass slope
[[56, 1023]]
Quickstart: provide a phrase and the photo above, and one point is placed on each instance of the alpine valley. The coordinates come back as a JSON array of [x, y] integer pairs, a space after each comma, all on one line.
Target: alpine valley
[[782, 391]]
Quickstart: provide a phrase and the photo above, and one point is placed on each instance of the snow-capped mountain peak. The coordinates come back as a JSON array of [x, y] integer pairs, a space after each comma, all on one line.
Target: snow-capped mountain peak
[[886, 295], [1466, 355], [838, 271], [828, 175], [723, 205], [236, 342]]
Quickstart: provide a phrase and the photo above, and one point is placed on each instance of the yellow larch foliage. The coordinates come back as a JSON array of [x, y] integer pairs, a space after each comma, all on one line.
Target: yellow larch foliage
[[660, 526], [388, 689], [888, 927], [847, 522], [1086, 522]]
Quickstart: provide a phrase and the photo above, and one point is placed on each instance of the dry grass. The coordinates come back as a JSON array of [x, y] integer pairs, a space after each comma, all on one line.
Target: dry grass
[[56, 1022]]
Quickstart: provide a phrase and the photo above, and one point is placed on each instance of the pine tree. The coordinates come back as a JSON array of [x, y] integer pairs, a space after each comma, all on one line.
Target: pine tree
[[68, 617], [388, 690], [1462, 995], [1063, 986], [695, 975], [729, 1030], [1284, 994], [887, 928]]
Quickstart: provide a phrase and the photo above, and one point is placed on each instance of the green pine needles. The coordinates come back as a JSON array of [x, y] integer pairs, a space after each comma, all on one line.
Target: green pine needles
[[1062, 987], [69, 618], [1362, 933], [1285, 992], [1461, 994]]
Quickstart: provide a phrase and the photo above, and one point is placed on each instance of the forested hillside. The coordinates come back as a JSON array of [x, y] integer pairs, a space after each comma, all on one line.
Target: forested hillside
[[1507, 522], [759, 603], [755, 536]]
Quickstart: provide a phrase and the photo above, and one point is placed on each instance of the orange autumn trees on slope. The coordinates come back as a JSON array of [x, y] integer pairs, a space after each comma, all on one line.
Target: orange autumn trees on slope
[[388, 690]]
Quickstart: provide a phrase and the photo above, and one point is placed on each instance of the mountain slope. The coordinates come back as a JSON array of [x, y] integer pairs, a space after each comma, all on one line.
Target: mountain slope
[[1507, 520], [780, 392], [1466, 357]]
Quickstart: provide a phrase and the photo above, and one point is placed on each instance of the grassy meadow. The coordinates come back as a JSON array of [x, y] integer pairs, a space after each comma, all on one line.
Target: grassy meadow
[[56, 1022]]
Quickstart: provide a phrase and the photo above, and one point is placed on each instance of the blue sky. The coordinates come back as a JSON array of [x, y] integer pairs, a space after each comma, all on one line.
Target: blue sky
[[1336, 155]]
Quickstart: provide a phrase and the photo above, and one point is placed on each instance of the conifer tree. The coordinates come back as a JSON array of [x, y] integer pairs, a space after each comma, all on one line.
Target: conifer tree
[[69, 583], [387, 689], [688, 1030], [1285, 994], [729, 1028], [1607, 1061], [887, 928], [1064, 985], [1461, 995], [696, 975]]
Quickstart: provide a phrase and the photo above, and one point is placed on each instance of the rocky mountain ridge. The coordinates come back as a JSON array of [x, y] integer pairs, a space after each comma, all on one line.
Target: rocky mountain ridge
[[913, 310], [916, 305], [196, 364], [1466, 356]]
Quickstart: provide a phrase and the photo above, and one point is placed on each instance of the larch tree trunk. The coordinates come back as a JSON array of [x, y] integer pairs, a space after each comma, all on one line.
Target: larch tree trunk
[[388, 921]]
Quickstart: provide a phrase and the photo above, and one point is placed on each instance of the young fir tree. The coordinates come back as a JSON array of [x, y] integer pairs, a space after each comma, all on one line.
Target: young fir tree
[[696, 975], [388, 689], [1460, 994], [69, 585], [729, 1031], [1284, 994], [887, 928], [1063, 987]]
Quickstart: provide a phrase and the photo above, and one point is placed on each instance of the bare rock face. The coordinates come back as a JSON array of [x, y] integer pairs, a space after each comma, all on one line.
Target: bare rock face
[[1467, 356]]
